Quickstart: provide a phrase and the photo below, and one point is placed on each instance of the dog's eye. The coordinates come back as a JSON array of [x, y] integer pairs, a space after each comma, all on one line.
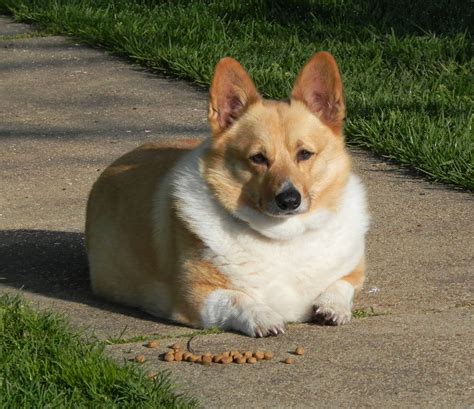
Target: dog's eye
[[303, 154], [259, 159]]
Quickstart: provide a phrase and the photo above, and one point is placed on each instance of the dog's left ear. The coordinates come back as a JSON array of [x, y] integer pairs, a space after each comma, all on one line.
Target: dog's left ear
[[232, 91], [319, 86]]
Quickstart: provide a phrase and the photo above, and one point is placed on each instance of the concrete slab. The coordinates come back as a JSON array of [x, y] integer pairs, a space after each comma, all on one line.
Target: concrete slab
[[67, 111]]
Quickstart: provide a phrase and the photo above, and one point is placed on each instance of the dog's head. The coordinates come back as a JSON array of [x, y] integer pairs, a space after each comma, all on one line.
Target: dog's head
[[276, 158]]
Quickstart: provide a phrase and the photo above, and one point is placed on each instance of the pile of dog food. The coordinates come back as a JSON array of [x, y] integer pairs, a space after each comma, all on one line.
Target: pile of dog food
[[178, 354]]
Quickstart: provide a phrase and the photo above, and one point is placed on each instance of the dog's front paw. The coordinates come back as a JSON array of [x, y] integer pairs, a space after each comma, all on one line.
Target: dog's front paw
[[233, 310], [333, 306], [261, 321], [331, 314]]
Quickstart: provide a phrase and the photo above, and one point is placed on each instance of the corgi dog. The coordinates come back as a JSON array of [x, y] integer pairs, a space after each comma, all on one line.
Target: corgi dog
[[260, 225]]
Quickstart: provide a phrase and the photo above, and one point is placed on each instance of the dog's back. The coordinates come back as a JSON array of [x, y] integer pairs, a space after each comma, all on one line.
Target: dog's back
[[119, 224]]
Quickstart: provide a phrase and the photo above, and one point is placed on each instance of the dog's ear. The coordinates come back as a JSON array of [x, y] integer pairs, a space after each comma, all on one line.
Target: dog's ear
[[232, 91], [319, 86]]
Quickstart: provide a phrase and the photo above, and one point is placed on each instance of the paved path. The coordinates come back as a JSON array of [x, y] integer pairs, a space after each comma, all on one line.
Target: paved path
[[66, 111]]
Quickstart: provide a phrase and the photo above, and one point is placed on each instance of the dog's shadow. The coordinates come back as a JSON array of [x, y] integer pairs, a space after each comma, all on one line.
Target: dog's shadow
[[53, 264]]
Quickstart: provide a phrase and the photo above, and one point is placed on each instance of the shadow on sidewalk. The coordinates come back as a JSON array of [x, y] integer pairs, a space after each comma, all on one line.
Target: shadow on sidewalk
[[53, 264]]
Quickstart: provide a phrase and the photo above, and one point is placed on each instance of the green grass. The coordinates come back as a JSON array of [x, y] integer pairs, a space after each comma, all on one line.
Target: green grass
[[407, 65], [44, 364], [365, 313]]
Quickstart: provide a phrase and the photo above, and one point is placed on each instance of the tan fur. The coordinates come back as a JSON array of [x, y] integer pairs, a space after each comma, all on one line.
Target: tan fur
[[357, 276], [279, 130], [139, 172]]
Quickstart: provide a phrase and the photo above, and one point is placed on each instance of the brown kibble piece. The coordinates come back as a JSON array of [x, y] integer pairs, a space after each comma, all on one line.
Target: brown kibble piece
[[186, 355], [226, 360], [151, 344], [178, 356], [258, 355], [240, 360], [217, 358], [225, 354], [206, 359], [140, 359], [193, 358], [176, 346], [252, 360], [169, 357], [268, 355], [299, 351], [247, 354], [289, 361]]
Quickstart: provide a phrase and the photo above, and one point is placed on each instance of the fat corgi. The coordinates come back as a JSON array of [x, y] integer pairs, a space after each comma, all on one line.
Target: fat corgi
[[260, 225]]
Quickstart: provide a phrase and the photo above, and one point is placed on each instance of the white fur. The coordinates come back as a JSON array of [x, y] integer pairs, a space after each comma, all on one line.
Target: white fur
[[277, 267]]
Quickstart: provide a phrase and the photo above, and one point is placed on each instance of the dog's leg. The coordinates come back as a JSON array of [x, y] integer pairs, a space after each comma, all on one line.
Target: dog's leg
[[333, 306], [234, 310]]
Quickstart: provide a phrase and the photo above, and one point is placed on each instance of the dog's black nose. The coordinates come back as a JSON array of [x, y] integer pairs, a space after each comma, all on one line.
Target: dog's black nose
[[289, 199]]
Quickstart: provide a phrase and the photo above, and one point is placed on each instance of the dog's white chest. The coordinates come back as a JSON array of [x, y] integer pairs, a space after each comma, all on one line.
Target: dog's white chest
[[284, 264], [289, 275]]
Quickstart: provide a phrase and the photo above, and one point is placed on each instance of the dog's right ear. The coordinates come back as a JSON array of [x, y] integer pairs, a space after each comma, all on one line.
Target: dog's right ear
[[319, 86], [232, 91]]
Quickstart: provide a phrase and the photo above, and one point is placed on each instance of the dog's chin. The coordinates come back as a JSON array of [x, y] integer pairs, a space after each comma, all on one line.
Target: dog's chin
[[274, 225]]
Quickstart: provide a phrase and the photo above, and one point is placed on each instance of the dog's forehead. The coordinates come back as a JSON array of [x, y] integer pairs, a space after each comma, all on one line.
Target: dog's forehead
[[288, 122]]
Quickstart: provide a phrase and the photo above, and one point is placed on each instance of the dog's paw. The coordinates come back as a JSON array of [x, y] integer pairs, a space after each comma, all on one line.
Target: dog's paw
[[333, 306], [331, 314], [233, 310], [261, 321]]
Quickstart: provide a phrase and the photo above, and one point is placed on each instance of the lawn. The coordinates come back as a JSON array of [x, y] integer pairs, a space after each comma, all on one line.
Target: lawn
[[407, 65], [44, 364]]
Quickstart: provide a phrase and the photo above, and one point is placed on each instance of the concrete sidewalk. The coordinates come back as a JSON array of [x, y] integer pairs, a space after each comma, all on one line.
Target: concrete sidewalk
[[66, 111]]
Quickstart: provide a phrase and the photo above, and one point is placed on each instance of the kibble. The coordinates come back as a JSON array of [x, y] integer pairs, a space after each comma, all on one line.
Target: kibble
[[226, 360], [299, 351], [238, 357], [140, 359], [169, 357], [240, 360], [206, 360], [151, 344]]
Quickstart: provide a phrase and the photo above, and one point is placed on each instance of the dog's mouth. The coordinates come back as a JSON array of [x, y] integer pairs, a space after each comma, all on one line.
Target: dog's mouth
[[272, 210]]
